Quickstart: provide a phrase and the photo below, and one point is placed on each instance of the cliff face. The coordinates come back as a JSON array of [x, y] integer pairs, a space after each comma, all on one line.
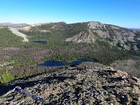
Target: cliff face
[[88, 83], [82, 37], [114, 35]]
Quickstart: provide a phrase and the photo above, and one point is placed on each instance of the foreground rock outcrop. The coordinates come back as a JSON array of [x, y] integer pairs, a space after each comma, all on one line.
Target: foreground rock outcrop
[[85, 84]]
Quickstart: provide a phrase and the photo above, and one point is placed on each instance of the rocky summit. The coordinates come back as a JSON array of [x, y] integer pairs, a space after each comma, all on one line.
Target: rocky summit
[[85, 84]]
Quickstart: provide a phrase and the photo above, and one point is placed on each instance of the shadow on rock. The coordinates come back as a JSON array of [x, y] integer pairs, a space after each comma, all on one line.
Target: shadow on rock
[[5, 88]]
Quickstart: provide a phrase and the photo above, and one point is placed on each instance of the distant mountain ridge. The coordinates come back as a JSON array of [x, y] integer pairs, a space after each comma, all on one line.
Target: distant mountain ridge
[[134, 28], [93, 32], [8, 24], [89, 32]]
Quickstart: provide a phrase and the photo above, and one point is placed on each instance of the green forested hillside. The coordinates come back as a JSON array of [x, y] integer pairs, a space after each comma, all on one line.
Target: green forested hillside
[[69, 51], [8, 39], [26, 57]]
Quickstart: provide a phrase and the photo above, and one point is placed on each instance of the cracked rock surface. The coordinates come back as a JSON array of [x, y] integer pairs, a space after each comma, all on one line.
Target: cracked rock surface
[[84, 84]]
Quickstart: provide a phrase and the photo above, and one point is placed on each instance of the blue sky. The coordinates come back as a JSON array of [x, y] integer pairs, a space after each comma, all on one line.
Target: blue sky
[[125, 13]]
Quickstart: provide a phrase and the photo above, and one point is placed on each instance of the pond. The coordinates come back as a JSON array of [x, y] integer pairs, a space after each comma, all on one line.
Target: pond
[[41, 41], [52, 63], [58, 63]]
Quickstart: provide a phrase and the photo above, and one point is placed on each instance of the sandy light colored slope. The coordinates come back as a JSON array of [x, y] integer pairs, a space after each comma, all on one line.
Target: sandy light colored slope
[[16, 32]]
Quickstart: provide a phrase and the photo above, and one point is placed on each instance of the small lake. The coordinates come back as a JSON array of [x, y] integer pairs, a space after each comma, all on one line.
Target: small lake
[[41, 41], [58, 63]]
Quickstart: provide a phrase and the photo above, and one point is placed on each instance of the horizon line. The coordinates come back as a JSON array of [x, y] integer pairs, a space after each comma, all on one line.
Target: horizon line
[[66, 23]]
